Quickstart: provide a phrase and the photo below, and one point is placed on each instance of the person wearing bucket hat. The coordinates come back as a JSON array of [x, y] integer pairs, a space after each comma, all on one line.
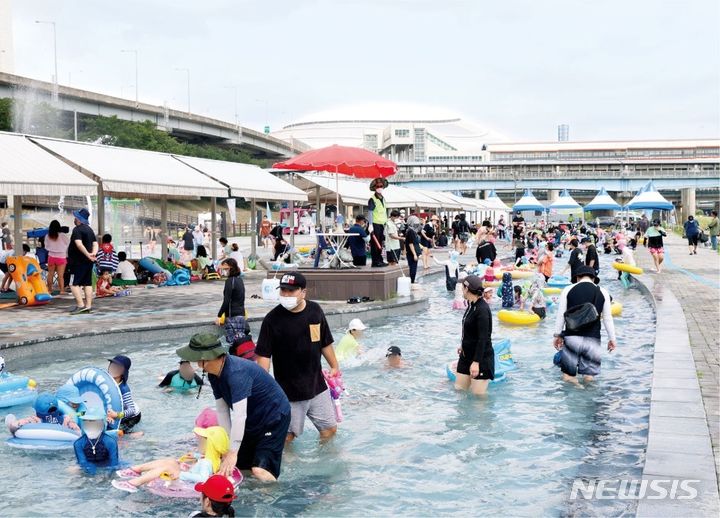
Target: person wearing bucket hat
[[348, 346], [250, 405], [95, 449], [217, 495], [580, 347], [130, 416], [476, 361], [377, 218], [80, 259], [295, 336]]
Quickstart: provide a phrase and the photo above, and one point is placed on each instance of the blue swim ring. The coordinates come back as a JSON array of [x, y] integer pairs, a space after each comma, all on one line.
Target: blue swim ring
[[43, 436], [98, 388], [558, 281], [15, 391]]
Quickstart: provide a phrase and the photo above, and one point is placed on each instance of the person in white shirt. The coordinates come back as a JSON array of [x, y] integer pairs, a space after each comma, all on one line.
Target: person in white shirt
[[125, 268], [236, 254]]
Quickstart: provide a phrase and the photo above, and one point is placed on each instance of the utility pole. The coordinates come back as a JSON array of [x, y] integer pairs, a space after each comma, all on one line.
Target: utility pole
[[134, 51]]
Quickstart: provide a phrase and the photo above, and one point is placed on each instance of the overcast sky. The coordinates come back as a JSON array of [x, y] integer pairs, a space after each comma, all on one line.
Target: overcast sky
[[612, 69]]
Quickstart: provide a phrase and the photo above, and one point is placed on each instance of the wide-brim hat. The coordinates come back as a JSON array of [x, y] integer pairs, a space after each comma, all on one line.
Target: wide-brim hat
[[202, 347], [379, 182], [585, 271], [82, 215]]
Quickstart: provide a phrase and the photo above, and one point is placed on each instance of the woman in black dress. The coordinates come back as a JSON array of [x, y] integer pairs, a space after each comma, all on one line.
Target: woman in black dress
[[476, 362]]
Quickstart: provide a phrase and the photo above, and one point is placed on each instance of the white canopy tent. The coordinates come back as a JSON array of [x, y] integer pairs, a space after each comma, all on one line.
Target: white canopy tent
[[133, 172], [28, 170], [352, 192], [398, 197], [446, 200]]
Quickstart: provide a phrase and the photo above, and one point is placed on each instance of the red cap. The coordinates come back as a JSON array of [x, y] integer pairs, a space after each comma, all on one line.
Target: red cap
[[217, 488]]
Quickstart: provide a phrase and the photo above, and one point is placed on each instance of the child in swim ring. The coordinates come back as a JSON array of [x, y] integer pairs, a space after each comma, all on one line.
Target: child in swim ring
[[213, 443], [217, 495], [46, 411], [183, 378], [119, 369], [518, 299], [95, 449]]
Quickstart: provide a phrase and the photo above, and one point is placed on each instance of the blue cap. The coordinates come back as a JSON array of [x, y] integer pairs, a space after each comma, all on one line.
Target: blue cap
[[123, 361], [487, 261], [69, 394], [83, 215], [45, 403]]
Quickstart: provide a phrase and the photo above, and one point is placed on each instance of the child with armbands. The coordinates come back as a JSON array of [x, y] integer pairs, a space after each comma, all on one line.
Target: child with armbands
[[213, 443], [95, 448], [46, 411], [217, 495]]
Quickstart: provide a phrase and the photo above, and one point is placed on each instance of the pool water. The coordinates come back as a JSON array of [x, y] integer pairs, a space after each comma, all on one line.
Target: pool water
[[409, 443]]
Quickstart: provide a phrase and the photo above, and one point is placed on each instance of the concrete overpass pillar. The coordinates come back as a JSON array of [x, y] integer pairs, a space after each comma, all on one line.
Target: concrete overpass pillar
[[477, 195], [552, 195], [687, 199]]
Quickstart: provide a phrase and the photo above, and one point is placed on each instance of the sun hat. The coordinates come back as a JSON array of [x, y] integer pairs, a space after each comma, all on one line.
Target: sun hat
[[379, 182], [217, 444], [217, 488], [585, 271], [356, 325], [82, 215], [125, 363], [69, 394], [202, 346], [45, 403], [94, 414]]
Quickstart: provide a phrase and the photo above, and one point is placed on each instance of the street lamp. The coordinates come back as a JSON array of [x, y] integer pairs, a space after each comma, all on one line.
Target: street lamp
[[187, 71], [237, 117], [55, 77], [134, 51]]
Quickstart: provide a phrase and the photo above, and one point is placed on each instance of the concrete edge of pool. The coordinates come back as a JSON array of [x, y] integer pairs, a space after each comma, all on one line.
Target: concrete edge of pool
[[679, 446]]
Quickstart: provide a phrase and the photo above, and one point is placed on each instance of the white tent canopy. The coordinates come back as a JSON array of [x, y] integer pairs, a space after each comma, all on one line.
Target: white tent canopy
[[495, 203], [649, 198], [246, 180], [565, 202], [445, 199], [398, 197], [28, 170], [352, 192], [602, 201], [528, 202], [135, 172]]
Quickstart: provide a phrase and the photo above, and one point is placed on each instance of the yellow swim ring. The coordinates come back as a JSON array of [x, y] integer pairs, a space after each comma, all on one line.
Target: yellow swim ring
[[552, 291], [491, 284], [627, 268], [516, 274], [616, 308], [520, 318]]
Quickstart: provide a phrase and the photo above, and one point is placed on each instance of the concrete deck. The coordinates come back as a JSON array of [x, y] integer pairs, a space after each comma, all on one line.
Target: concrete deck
[[683, 430]]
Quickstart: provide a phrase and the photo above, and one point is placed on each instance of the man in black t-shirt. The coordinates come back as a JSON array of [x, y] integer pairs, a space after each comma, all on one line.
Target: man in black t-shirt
[[80, 260], [591, 256], [295, 335], [518, 223], [575, 261]]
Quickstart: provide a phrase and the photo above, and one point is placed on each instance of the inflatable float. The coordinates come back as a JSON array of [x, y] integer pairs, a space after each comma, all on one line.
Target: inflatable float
[[622, 267], [16, 390], [552, 291], [516, 274], [518, 318], [504, 363], [98, 389], [616, 308], [492, 284], [42, 436], [558, 281], [29, 285], [181, 488], [154, 266]]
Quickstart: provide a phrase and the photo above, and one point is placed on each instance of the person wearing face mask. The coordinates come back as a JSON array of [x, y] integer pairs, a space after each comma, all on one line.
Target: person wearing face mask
[[95, 449], [378, 218], [295, 335]]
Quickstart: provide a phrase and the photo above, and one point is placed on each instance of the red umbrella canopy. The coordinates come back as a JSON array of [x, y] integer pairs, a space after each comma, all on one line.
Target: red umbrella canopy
[[353, 161]]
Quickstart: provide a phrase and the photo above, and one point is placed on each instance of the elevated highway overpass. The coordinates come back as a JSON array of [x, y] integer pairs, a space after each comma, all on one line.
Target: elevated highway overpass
[[185, 126]]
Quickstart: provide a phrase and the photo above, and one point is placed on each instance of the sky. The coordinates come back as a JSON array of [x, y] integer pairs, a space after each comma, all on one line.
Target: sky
[[630, 69]]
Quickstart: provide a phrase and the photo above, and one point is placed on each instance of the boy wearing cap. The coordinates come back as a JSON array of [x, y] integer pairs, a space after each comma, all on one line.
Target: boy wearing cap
[[217, 495], [591, 256], [260, 410], [295, 335], [394, 357], [580, 348], [348, 346], [81, 257]]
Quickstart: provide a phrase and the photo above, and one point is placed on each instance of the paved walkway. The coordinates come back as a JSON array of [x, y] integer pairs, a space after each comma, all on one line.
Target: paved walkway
[[695, 281]]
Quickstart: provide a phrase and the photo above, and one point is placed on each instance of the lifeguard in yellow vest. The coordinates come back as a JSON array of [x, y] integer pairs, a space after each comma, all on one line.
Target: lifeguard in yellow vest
[[377, 219]]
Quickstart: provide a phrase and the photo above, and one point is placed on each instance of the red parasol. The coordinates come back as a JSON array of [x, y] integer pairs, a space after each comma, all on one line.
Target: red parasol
[[352, 161]]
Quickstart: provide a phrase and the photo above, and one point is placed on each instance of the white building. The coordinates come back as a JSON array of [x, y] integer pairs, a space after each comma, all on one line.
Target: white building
[[401, 133]]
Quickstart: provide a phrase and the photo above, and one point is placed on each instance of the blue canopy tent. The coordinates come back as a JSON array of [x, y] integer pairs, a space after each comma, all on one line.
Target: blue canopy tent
[[565, 202], [648, 198], [528, 202], [602, 201]]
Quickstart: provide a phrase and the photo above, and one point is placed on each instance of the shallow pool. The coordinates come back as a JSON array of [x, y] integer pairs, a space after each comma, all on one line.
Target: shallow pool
[[409, 443]]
